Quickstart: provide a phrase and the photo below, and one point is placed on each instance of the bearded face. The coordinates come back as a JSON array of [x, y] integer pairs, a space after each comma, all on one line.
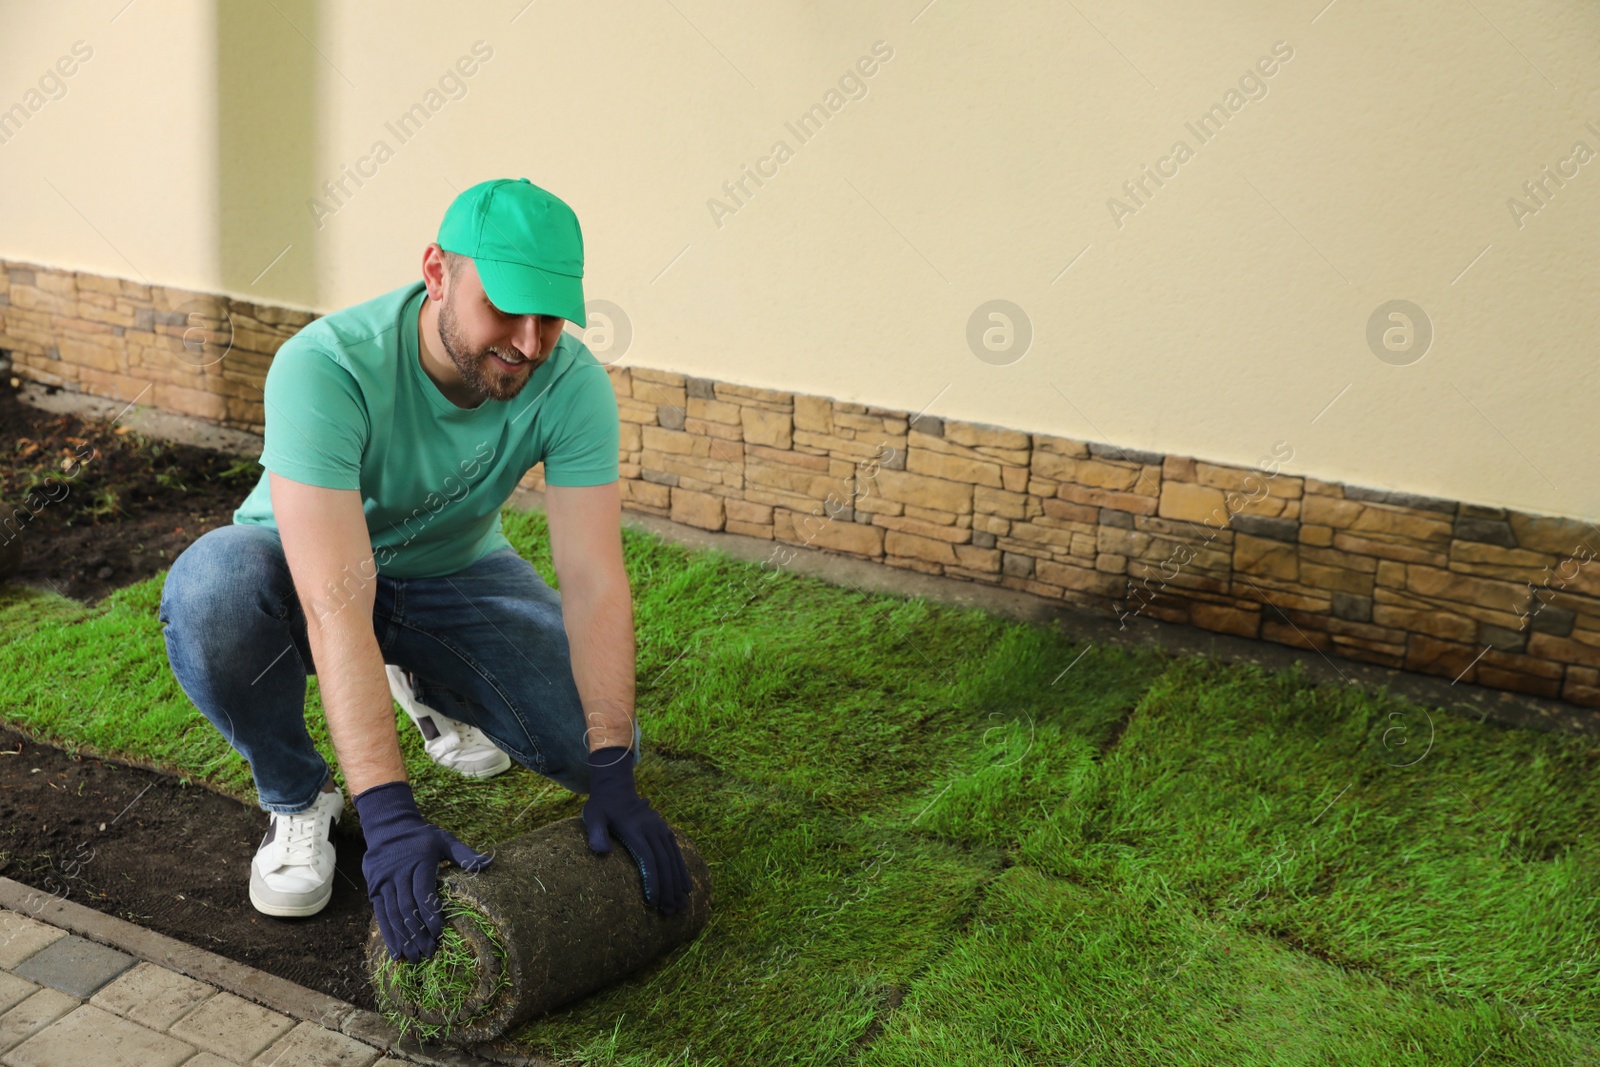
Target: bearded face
[[495, 353]]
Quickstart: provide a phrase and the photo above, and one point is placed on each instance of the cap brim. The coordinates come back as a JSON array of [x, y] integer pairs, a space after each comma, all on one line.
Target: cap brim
[[518, 289]]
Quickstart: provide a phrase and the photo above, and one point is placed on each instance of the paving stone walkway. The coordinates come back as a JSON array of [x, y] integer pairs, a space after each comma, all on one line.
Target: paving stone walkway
[[66, 1001]]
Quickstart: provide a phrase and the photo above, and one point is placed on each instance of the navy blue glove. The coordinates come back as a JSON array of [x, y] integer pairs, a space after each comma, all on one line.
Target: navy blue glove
[[402, 868], [615, 805]]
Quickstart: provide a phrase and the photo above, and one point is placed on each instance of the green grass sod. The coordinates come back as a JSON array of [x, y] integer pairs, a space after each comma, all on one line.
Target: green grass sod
[[444, 982], [941, 837]]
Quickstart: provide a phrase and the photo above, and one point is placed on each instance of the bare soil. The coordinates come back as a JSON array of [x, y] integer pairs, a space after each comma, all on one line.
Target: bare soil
[[95, 505], [175, 859]]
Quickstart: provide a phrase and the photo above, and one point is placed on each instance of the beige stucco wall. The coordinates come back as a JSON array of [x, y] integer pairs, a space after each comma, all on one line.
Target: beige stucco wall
[[1227, 313]]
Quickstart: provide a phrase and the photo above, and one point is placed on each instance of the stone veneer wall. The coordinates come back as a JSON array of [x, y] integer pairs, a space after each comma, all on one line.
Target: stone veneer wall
[[1501, 598]]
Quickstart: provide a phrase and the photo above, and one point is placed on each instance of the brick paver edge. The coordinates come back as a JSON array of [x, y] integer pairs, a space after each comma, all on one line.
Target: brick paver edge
[[268, 990]]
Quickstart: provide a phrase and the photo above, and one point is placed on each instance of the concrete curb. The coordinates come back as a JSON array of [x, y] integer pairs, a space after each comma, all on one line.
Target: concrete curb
[[268, 990]]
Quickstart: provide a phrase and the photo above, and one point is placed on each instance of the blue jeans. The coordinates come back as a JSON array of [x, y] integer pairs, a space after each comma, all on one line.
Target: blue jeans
[[486, 646]]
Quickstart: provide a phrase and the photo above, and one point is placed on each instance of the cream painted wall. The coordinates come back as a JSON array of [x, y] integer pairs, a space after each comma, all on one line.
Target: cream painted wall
[[118, 175], [1227, 313]]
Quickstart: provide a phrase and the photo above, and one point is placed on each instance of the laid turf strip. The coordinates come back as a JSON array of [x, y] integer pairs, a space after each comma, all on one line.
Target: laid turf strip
[[940, 837]]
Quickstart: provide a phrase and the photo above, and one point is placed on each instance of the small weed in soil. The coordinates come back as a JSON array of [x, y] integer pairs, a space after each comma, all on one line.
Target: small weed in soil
[[95, 505]]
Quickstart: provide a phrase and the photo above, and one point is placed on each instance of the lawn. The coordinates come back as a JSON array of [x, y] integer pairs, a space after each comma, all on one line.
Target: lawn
[[940, 837]]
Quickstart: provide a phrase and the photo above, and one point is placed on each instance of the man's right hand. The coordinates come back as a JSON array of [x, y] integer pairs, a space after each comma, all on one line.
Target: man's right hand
[[329, 551], [402, 868]]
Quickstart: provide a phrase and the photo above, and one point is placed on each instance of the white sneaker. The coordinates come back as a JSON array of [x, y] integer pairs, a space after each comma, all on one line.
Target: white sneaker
[[456, 745], [292, 873]]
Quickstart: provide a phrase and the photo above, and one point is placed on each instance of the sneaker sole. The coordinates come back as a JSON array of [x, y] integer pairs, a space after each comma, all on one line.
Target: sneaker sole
[[290, 911], [499, 767]]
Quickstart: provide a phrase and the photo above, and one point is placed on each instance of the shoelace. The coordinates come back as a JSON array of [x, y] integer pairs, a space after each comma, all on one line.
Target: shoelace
[[300, 839]]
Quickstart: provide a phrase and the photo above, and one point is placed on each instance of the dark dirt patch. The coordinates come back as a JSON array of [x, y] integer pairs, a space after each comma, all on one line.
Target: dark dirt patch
[[891, 1001], [95, 505], [1117, 730], [175, 859]]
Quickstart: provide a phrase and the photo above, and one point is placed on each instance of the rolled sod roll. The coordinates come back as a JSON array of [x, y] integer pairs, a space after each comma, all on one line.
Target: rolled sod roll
[[548, 922]]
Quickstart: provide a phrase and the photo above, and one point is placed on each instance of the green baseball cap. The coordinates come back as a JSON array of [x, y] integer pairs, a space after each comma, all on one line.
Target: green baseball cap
[[526, 244]]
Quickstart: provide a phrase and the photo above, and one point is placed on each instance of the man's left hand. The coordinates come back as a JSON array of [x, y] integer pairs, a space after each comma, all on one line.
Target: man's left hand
[[614, 805]]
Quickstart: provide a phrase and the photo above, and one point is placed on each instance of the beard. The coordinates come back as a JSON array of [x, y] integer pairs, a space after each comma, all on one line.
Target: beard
[[477, 366]]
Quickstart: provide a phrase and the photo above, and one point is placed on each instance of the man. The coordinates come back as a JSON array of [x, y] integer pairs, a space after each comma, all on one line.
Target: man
[[370, 552]]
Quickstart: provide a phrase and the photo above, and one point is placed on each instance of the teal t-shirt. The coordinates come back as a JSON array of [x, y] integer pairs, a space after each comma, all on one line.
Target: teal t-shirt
[[348, 406]]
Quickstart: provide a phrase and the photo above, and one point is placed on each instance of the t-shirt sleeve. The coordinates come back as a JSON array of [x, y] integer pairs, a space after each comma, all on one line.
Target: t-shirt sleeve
[[316, 421], [583, 445]]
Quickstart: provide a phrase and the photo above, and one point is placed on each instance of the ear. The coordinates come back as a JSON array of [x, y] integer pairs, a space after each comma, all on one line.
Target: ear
[[434, 271]]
